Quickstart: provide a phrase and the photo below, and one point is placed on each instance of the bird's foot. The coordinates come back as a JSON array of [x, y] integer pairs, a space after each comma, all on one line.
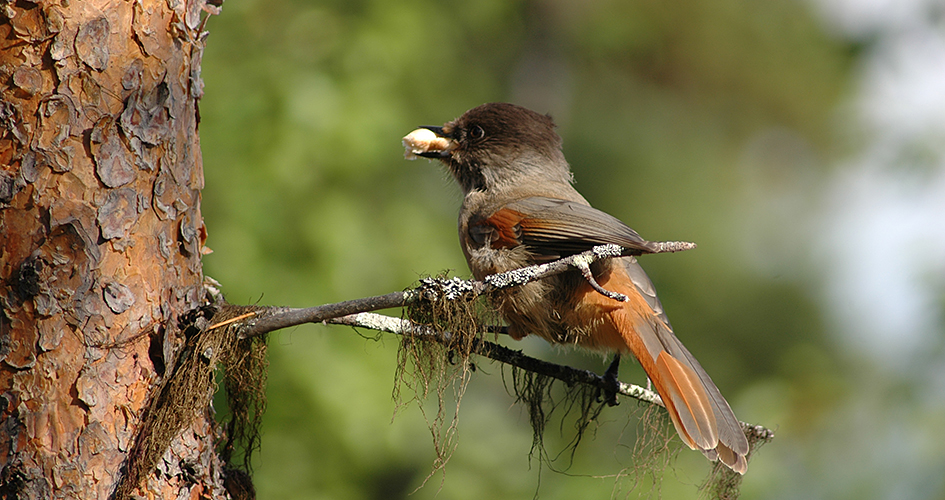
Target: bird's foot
[[612, 382]]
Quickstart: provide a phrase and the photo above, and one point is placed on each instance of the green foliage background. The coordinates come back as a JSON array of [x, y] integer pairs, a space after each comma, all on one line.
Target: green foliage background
[[702, 120]]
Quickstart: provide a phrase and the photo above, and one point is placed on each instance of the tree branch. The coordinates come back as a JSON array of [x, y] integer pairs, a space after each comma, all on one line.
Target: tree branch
[[276, 318], [357, 313]]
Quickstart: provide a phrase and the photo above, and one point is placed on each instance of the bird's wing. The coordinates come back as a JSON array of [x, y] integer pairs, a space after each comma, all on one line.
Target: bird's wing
[[552, 228]]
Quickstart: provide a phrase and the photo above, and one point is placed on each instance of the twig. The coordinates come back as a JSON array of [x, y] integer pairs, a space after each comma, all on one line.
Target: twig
[[231, 320], [585, 269], [497, 352]]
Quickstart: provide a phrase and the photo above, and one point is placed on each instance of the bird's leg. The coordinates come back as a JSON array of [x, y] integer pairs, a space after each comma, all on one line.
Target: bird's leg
[[610, 378]]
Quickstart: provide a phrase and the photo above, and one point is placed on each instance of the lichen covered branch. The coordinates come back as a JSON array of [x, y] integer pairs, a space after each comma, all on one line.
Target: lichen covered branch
[[276, 318]]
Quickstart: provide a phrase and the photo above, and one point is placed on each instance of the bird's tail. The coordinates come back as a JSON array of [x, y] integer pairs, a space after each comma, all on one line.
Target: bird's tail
[[702, 417]]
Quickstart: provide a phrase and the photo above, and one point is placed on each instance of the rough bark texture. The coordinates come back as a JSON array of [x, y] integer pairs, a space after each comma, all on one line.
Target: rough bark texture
[[100, 178]]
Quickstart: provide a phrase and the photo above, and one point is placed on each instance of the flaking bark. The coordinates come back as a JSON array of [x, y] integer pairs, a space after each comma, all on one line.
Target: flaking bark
[[100, 179]]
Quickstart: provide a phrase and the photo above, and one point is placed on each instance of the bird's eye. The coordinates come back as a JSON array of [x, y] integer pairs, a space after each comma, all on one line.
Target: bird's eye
[[476, 132]]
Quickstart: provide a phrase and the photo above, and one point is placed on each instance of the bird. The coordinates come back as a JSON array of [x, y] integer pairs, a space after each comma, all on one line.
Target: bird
[[520, 208]]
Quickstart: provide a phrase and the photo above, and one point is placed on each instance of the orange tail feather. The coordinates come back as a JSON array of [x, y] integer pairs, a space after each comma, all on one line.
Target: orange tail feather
[[700, 414], [687, 402]]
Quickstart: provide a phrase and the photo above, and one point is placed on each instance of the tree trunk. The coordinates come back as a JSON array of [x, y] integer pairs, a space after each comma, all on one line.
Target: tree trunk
[[100, 246]]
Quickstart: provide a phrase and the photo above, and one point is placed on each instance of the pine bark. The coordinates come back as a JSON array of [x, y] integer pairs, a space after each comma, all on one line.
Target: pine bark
[[100, 179]]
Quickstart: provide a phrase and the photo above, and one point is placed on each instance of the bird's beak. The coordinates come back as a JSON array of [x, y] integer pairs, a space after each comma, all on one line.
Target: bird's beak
[[429, 142], [436, 130]]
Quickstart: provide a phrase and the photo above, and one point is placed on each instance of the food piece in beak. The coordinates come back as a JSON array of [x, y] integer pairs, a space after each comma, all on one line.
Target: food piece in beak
[[424, 142]]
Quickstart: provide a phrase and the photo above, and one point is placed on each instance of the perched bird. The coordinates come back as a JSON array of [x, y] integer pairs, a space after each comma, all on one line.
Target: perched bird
[[520, 209]]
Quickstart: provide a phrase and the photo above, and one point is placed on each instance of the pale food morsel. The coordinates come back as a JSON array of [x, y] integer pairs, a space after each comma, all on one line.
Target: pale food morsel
[[423, 141]]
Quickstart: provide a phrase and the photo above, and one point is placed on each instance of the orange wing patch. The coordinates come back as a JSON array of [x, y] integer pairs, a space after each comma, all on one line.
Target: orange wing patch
[[506, 228]]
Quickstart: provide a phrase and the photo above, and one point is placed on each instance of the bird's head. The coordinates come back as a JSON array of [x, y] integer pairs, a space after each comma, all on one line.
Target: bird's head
[[493, 145]]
